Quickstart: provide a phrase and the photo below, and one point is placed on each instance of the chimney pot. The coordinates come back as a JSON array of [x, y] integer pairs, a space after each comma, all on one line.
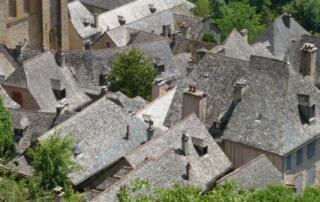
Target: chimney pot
[[128, 132], [184, 144], [188, 171]]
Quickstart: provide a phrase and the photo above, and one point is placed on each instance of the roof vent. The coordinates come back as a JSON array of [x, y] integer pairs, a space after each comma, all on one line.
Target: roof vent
[[122, 20], [152, 8]]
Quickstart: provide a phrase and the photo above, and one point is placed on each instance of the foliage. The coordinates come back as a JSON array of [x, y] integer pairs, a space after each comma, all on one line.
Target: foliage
[[240, 16], [12, 189], [203, 8], [307, 12], [52, 161], [142, 191], [7, 144], [208, 37], [133, 74]]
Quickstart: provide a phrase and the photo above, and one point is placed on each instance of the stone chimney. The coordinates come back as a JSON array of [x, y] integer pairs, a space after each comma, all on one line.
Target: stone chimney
[[121, 19], [159, 88], [239, 90], [58, 194], [194, 101], [128, 133], [96, 20], [245, 33], [286, 18], [188, 171], [184, 144], [308, 59], [152, 8]]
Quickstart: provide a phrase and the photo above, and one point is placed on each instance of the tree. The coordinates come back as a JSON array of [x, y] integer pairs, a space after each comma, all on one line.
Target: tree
[[203, 8], [12, 189], [7, 143], [208, 37], [52, 161], [133, 74], [239, 15], [306, 12]]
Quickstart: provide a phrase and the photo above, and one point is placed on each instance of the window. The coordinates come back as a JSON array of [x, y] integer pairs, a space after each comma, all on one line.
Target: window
[[288, 162], [12, 8], [26, 6], [18, 133], [59, 94], [311, 149], [299, 156]]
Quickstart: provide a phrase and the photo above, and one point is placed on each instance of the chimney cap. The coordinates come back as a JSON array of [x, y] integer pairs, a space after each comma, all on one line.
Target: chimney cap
[[194, 91], [241, 82], [309, 47], [58, 190]]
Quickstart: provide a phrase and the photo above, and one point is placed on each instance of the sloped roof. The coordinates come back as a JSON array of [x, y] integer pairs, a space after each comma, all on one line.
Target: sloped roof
[[131, 105], [99, 130], [136, 10], [222, 73], [158, 109], [256, 174], [106, 4], [8, 102], [236, 46], [88, 65], [150, 24], [78, 15], [20, 165], [280, 36], [36, 123], [267, 116], [166, 165], [36, 75]]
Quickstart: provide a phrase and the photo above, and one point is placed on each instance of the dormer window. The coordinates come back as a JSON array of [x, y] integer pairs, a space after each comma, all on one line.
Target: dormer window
[[86, 22], [307, 110], [152, 8], [58, 89], [200, 146], [18, 134], [103, 80], [122, 20]]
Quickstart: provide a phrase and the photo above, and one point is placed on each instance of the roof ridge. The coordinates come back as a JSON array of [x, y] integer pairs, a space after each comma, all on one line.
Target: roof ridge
[[36, 57]]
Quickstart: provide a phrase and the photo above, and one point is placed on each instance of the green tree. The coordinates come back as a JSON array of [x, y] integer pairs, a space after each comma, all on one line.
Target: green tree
[[203, 8], [239, 15], [306, 12], [208, 37], [7, 143], [133, 74], [12, 189], [52, 161]]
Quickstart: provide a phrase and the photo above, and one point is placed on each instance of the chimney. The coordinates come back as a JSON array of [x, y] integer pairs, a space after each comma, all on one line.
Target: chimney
[[128, 133], [150, 131], [244, 33], [58, 194], [152, 8], [122, 20], [62, 106], [184, 144], [308, 59], [159, 88], [194, 101], [96, 20], [239, 89], [188, 171], [18, 52], [286, 18]]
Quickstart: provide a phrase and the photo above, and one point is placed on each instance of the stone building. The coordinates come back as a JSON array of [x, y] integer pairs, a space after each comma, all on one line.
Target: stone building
[[36, 23]]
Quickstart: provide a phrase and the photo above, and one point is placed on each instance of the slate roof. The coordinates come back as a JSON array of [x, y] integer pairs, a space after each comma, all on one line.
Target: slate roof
[[236, 46], [34, 124], [8, 65], [280, 36], [36, 75], [131, 105], [106, 4], [222, 73], [158, 109], [256, 174], [294, 54], [194, 22], [267, 116], [8, 102], [21, 165], [150, 24], [88, 65], [99, 131], [136, 10], [161, 162], [80, 14]]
